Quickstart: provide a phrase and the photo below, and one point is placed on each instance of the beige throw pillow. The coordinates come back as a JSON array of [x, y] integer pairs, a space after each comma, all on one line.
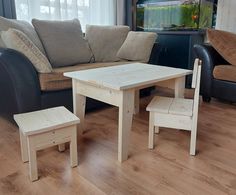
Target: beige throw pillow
[[22, 26], [17, 40], [137, 46], [105, 41], [63, 41], [224, 43]]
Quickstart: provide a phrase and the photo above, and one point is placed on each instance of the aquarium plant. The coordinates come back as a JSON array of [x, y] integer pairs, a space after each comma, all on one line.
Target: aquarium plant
[[174, 14]]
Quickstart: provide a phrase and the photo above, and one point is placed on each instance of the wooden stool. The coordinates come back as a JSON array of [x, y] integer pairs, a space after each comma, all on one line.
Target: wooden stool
[[46, 128]]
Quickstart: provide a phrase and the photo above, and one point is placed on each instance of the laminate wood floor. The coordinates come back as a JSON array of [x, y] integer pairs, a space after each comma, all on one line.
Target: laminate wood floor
[[168, 169]]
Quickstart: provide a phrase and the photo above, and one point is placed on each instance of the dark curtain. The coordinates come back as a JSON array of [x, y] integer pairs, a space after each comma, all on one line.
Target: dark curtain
[[7, 9], [129, 13], [124, 12]]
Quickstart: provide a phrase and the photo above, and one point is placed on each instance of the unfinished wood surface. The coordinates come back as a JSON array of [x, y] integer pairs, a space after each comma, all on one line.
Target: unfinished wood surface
[[126, 111], [61, 147], [45, 120], [23, 146], [160, 104], [107, 95], [151, 136], [110, 84], [195, 110], [79, 104], [182, 106], [136, 102], [45, 140], [43, 129], [168, 169], [177, 113], [127, 76], [177, 84], [179, 87], [73, 148], [32, 152], [169, 105]]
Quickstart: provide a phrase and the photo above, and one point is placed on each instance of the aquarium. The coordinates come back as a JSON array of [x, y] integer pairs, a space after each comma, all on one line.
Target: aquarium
[[155, 15]]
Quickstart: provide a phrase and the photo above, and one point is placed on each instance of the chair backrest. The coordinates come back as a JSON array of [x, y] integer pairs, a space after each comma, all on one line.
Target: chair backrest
[[197, 62], [196, 84]]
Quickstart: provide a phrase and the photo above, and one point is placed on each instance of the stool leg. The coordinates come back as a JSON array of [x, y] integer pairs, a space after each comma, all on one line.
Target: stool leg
[[73, 149], [61, 147], [33, 170], [24, 150]]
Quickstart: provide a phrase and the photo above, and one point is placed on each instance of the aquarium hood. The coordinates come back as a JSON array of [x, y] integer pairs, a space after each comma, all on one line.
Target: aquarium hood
[[164, 3]]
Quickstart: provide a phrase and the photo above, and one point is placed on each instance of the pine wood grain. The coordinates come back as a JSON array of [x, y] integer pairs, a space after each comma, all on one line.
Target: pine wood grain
[[129, 76], [45, 120], [118, 86], [168, 169]]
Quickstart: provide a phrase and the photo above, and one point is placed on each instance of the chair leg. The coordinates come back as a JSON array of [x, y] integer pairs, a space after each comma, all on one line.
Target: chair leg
[[193, 140], [61, 147], [157, 130], [151, 131]]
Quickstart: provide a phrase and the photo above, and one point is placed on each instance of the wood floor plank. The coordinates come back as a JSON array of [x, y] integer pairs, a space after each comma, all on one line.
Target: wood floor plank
[[168, 169]]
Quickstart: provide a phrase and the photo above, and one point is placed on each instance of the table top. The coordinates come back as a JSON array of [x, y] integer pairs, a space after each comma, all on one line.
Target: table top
[[127, 76], [45, 120]]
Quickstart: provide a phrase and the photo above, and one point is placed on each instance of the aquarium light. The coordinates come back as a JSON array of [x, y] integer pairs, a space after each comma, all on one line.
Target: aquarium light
[[163, 3]]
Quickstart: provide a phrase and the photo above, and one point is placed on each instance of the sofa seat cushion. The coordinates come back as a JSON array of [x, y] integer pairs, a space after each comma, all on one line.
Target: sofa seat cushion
[[225, 72], [56, 81]]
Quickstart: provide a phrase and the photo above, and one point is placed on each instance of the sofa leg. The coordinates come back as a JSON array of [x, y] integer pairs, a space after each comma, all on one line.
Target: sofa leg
[[206, 99]]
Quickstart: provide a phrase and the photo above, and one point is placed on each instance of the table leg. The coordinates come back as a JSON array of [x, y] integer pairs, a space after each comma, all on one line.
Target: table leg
[[136, 102], [79, 104], [126, 110], [179, 87]]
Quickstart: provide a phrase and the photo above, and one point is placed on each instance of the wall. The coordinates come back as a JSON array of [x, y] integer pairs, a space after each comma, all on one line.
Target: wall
[[226, 15]]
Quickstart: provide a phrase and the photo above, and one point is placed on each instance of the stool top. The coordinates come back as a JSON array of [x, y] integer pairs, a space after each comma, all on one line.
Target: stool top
[[45, 120]]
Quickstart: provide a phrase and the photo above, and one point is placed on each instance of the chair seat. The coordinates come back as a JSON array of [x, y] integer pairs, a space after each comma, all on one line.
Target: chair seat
[[176, 106]]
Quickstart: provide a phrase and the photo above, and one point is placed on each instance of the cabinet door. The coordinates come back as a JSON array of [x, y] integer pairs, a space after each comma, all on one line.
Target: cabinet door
[[175, 50]]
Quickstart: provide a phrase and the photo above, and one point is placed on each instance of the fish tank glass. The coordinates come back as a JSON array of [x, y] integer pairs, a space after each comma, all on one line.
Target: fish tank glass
[[156, 15]]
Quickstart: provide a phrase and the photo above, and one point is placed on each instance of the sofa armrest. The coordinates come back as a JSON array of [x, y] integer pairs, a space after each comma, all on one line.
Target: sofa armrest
[[210, 58], [19, 84]]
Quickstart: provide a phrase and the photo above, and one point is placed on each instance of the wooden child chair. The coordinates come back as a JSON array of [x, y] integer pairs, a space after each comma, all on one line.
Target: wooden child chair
[[177, 113]]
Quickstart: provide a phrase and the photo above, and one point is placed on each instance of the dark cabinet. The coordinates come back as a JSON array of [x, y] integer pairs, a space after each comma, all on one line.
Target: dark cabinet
[[176, 49]]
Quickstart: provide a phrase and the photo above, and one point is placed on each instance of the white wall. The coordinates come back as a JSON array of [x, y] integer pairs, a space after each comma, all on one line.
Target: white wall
[[226, 15]]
